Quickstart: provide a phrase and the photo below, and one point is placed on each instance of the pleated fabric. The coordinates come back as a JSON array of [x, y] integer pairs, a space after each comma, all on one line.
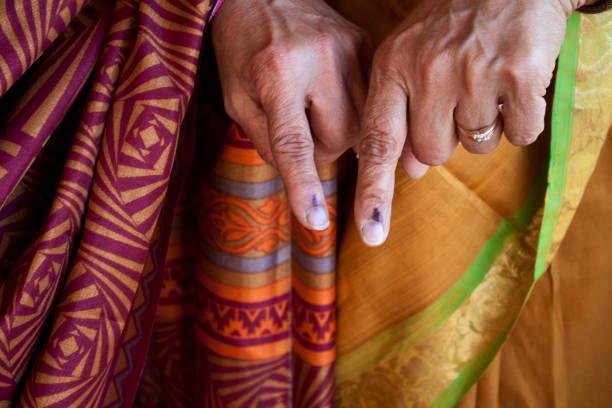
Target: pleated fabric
[[247, 311], [94, 97]]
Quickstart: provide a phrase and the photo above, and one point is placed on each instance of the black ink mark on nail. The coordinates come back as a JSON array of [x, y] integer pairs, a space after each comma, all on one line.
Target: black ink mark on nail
[[376, 215], [315, 202]]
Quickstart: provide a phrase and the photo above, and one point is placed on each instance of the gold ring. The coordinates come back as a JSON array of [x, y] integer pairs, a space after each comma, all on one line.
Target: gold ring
[[482, 134]]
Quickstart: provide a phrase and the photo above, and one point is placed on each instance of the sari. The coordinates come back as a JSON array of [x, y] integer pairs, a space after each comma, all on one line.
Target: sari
[[148, 256]]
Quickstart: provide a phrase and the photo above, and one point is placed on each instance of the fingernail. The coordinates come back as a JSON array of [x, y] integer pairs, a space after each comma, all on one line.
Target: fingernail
[[316, 216], [372, 230]]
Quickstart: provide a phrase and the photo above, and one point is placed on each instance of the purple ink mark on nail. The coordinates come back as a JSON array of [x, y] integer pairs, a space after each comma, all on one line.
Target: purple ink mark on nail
[[376, 215], [314, 201]]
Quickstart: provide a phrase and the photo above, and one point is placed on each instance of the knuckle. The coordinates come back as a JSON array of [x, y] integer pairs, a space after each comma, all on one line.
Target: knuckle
[[528, 73], [355, 37], [323, 40], [291, 142], [324, 45], [378, 147], [433, 68], [273, 62], [520, 73]]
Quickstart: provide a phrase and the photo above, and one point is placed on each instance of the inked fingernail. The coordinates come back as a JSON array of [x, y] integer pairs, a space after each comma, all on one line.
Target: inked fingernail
[[372, 230], [316, 216]]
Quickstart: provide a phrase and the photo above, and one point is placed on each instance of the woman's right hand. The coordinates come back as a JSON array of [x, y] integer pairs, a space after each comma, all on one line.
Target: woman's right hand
[[439, 79], [292, 78]]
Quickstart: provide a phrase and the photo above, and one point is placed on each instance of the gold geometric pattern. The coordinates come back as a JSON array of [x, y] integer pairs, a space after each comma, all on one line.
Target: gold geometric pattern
[[109, 196]]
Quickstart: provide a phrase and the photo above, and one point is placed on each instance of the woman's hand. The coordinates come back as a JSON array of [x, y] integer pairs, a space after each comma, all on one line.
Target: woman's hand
[[447, 67], [292, 79]]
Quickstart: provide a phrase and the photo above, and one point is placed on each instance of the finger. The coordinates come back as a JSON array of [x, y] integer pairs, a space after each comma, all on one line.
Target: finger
[[524, 79], [251, 118], [411, 165], [383, 135], [523, 117], [334, 120], [432, 127], [478, 111], [253, 121], [293, 150]]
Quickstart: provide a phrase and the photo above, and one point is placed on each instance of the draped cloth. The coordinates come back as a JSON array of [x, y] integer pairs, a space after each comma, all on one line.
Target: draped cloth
[[94, 98], [148, 255]]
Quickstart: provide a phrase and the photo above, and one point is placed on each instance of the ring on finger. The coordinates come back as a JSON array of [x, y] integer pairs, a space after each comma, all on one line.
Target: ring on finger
[[482, 134]]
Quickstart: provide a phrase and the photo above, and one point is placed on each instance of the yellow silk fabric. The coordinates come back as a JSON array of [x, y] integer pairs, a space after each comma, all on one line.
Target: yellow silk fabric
[[439, 227], [560, 353]]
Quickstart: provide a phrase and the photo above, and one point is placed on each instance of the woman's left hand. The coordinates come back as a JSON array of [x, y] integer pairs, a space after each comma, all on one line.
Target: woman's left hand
[[438, 80]]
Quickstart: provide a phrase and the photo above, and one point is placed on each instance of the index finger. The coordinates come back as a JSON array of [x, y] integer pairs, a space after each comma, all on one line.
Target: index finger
[[293, 150], [382, 138]]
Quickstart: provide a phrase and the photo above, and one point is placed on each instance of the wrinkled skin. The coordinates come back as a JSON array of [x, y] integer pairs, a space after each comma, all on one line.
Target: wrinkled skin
[[452, 61], [292, 79]]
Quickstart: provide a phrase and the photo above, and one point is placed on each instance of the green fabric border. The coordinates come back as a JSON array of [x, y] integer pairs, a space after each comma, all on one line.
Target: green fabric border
[[434, 315], [561, 133], [561, 136], [386, 345]]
